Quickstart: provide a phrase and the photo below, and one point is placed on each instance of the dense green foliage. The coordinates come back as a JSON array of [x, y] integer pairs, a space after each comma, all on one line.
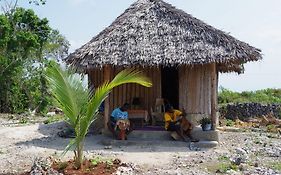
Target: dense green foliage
[[26, 45], [266, 96], [80, 105]]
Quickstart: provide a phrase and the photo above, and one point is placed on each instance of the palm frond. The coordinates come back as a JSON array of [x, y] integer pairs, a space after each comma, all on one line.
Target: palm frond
[[72, 144], [131, 76], [68, 92]]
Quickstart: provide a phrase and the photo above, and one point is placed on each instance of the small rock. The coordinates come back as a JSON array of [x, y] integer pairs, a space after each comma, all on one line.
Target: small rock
[[237, 161], [240, 151], [108, 147]]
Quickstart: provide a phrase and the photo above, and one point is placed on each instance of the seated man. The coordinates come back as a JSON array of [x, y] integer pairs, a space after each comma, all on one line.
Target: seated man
[[174, 121], [119, 124]]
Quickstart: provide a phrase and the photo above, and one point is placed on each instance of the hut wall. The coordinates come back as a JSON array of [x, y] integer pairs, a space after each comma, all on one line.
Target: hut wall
[[195, 89], [127, 92]]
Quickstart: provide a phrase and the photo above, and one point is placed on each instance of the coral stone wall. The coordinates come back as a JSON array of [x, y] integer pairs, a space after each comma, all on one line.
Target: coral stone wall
[[248, 110]]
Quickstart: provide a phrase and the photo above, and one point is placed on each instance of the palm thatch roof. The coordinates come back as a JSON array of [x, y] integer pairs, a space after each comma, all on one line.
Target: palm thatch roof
[[154, 33]]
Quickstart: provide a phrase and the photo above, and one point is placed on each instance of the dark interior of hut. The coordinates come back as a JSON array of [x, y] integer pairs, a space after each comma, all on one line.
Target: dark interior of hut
[[170, 85], [170, 94]]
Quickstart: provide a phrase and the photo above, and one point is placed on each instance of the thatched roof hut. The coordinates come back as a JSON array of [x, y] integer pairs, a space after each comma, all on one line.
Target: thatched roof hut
[[172, 47], [154, 33]]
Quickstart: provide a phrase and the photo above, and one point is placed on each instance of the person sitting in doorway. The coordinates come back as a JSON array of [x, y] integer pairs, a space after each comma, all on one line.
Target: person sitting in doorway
[[175, 121], [119, 124]]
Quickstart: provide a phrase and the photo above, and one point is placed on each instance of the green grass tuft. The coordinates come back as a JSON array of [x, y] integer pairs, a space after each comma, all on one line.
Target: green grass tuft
[[275, 165]]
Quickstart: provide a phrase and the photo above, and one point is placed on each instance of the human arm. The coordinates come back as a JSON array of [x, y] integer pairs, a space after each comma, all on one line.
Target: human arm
[[167, 117], [177, 115], [125, 115], [116, 114]]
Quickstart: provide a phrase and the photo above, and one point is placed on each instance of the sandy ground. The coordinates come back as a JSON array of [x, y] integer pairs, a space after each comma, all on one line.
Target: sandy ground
[[259, 153]]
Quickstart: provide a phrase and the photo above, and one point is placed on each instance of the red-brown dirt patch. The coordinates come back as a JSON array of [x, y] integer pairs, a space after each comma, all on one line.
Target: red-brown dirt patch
[[87, 168]]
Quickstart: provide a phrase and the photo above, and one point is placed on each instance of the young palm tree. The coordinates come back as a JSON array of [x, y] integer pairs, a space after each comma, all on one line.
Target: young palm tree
[[80, 105]]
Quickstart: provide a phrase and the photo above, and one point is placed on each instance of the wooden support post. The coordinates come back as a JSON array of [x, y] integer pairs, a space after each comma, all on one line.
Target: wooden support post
[[214, 95], [106, 77]]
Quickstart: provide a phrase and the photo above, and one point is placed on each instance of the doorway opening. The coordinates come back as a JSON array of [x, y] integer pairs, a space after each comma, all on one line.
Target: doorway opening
[[170, 85]]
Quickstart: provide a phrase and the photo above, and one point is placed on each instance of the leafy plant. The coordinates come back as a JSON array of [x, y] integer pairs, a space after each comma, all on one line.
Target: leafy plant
[[95, 161], [229, 122], [80, 105], [205, 120], [223, 167]]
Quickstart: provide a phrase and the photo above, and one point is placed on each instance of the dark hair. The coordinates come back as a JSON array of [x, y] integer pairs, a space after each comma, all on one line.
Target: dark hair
[[168, 107], [126, 105]]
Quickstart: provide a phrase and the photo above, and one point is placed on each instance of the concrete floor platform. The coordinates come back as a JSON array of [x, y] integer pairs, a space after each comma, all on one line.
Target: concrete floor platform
[[198, 133], [162, 143], [208, 139]]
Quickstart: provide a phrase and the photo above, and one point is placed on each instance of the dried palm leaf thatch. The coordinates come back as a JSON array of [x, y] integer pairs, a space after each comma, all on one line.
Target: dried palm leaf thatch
[[154, 33]]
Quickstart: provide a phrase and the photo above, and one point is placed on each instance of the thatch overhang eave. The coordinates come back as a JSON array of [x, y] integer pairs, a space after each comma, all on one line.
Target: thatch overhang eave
[[224, 65]]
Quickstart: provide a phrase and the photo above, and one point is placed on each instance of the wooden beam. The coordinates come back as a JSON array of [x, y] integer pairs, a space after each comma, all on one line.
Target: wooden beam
[[106, 77], [214, 95]]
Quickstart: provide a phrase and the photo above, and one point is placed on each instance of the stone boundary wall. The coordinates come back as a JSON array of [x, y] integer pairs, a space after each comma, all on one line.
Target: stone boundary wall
[[249, 110]]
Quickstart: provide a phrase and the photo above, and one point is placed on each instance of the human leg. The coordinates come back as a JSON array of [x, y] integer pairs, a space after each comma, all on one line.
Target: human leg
[[111, 128], [177, 129], [130, 128]]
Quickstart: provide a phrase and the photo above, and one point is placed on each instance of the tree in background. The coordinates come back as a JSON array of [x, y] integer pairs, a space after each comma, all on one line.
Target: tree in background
[[26, 45]]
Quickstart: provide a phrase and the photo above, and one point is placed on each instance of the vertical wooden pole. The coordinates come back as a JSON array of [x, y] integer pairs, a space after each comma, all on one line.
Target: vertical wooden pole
[[213, 95], [106, 77], [91, 83]]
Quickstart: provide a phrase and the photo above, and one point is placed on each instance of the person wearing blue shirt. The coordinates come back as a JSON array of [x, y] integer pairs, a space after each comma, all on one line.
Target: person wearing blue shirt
[[119, 113]]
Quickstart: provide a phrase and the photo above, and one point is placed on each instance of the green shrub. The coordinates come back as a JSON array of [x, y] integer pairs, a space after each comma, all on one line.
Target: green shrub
[[229, 122], [223, 158], [222, 167], [95, 161], [265, 96]]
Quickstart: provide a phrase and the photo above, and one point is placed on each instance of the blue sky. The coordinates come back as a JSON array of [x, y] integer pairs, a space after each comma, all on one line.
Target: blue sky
[[257, 22]]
